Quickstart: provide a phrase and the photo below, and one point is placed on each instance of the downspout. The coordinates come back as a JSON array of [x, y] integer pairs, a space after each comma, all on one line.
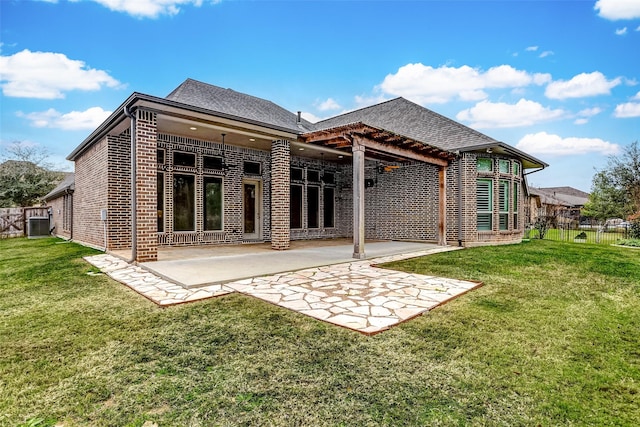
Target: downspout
[[134, 231], [460, 169]]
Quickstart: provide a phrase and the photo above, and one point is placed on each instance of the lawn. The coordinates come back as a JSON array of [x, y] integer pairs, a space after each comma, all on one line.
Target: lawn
[[552, 338]]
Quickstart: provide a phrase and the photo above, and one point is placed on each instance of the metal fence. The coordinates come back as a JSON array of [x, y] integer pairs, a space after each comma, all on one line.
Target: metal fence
[[584, 234]]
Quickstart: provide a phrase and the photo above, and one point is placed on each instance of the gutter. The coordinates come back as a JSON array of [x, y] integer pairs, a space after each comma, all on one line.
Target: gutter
[[134, 230]]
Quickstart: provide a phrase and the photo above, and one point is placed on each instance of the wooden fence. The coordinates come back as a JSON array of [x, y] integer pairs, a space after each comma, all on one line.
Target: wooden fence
[[13, 221]]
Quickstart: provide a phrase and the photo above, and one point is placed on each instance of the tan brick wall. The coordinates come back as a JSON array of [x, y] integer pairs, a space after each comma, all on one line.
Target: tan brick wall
[[57, 217]]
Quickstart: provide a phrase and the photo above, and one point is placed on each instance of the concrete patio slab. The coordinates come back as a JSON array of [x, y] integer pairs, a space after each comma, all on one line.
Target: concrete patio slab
[[356, 295], [214, 267]]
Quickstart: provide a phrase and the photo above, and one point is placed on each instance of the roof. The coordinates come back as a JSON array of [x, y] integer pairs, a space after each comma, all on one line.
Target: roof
[[228, 101], [406, 118], [67, 184], [550, 197], [566, 190], [411, 120]]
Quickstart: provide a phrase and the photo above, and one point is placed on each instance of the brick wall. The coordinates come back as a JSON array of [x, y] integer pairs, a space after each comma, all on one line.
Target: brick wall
[[146, 169], [280, 193], [119, 202], [58, 212], [91, 194]]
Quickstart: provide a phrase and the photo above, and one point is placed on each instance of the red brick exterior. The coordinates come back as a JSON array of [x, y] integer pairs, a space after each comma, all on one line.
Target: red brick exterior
[[146, 208]]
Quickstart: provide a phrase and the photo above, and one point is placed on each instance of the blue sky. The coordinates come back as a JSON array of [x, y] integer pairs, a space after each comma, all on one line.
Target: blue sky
[[557, 79]]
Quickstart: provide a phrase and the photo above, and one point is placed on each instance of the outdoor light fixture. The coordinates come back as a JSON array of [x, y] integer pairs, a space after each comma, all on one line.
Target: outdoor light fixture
[[193, 128]]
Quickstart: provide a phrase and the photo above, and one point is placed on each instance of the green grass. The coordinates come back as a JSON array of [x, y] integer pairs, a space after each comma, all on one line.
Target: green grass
[[552, 338]]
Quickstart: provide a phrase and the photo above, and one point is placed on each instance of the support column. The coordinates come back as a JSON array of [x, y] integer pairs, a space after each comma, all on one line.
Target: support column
[[280, 194], [146, 138], [358, 198], [442, 206]]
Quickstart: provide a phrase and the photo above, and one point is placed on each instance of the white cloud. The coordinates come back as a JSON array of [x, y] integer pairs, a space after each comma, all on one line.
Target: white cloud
[[149, 8], [545, 54], [621, 31], [425, 84], [47, 75], [310, 117], [590, 112], [636, 96], [628, 109], [329, 104], [487, 114], [581, 85], [74, 120], [584, 115], [366, 101], [618, 9], [544, 143], [531, 48]]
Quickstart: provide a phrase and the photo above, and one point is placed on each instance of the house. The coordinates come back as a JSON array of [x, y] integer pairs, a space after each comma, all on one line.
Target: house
[[60, 200], [213, 166], [562, 205]]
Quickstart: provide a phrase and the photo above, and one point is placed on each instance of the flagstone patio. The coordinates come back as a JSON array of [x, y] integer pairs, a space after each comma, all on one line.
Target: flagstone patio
[[355, 295]]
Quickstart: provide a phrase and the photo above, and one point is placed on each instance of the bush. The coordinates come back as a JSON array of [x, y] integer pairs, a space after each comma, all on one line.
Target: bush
[[582, 235], [634, 230]]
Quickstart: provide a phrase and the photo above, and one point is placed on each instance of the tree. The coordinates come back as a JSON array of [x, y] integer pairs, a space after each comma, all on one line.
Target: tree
[[615, 190], [25, 177]]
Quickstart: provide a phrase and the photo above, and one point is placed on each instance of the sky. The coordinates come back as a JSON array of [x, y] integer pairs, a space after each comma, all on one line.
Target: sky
[[559, 80]]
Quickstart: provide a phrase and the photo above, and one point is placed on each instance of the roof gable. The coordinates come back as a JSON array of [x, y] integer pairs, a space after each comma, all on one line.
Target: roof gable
[[228, 101], [406, 118]]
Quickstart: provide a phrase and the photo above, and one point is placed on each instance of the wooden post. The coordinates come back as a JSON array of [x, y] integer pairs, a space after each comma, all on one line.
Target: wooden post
[[442, 206], [358, 198]]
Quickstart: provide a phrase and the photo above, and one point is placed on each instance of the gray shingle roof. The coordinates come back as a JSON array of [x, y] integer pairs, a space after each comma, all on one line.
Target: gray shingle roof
[[228, 101], [414, 121], [68, 183]]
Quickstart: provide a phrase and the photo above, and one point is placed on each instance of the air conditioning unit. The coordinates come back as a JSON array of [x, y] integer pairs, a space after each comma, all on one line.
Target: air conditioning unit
[[38, 226]]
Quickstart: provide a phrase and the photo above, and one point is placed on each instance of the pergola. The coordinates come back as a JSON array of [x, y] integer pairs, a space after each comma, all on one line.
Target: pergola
[[376, 143]]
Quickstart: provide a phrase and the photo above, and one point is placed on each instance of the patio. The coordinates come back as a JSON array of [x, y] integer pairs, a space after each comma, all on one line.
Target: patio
[[321, 281]]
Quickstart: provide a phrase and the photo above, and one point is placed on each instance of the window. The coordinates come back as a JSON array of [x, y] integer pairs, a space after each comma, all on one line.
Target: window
[[67, 211], [296, 174], [503, 166], [296, 206], [516, 169], [503, 201], [313, 207], [484, 203], [251, 168], [160, 157], [329, 178], [160, 201], [329, 207], [313, 176], [184, 159], [516, 225], [212, 202], [485, 165], [183, 202], [212, 162]]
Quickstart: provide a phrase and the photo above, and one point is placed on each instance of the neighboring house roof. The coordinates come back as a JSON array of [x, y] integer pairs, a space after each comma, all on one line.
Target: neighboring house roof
[[570, 191], [67, 185], [550, 197], [228, 101], [406, 118]]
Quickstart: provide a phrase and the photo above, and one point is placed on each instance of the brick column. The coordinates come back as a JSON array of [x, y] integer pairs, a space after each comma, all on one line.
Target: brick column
[[280, 194], [358, 198], [442, 206], [146, 204]]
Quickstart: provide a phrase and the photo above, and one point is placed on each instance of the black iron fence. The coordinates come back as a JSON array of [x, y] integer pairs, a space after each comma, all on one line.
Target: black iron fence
[[582, 234]]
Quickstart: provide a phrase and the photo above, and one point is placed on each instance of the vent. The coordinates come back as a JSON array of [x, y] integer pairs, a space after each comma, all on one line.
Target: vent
[[38, 226]]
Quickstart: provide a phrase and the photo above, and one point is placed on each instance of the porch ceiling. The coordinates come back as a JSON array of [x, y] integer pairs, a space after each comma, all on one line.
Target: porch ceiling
[[379, 143]]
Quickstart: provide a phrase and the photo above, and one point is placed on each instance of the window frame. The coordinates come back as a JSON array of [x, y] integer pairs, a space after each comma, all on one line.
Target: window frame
[[484, 212], [193, 211], [504, 192], [204, 202], [315, 213], [301, 207]]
